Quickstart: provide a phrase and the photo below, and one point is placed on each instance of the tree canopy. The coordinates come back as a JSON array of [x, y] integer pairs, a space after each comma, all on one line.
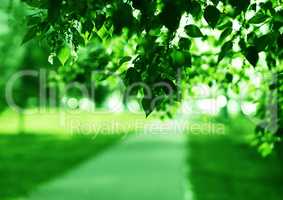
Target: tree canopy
[[224, 44]]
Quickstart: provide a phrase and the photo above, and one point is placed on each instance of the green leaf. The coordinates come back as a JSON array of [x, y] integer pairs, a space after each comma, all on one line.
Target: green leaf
[[96, 36], [185, 43], [178, 58], [193, 31], [194, 8], [87, 26], [99, 21], [271, 61], [64, 55], [225, 24], [33, 20], [258, 18], [229, 77], [54, 8], [138, 4], [181, 58], [44, 27], [225, 49], [124, 60], [280, 41], [251, 55], [56, 62], [108, 23], [37, 3], [188, 59], [173, 87], [278, 16], [78, 38], [211, 15], [262, 42], [242, 44], [132, 76], [215, 2], [30, 34], [122, 16], [225, 34], [253, 7], [171, 15], [251, 38], [240, 5], [147, 106], [267, 6], [266, 149]]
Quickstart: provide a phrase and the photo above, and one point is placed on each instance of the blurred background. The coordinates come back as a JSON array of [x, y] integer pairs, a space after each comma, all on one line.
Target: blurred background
[[44, 134]]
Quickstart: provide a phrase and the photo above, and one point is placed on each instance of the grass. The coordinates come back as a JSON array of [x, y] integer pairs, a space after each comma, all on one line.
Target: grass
[[28, 160], [60, 121], [222, 168]]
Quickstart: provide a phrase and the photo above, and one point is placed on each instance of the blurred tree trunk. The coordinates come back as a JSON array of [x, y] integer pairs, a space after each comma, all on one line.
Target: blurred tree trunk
[[21, 122], [224, 112]]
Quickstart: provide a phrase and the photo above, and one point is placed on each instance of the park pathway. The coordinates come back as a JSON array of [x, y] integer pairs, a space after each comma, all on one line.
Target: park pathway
[[144, 167]]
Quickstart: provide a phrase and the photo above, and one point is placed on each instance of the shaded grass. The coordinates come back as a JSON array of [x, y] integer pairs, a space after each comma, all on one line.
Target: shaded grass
[[223, 168], [29, 160]]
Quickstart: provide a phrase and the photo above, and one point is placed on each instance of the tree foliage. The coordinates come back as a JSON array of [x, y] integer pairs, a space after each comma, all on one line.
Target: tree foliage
[[166, 38]]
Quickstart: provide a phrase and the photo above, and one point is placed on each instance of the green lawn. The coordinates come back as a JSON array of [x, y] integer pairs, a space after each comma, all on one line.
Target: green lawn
[[65, 122], [29, 160], [63, 139], [222, 168]]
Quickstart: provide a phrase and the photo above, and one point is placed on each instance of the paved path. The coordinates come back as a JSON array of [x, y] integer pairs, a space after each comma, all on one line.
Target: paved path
[[141, 168]]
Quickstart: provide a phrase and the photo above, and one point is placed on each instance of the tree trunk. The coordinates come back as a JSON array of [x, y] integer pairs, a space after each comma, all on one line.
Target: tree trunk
[[21, 122]]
